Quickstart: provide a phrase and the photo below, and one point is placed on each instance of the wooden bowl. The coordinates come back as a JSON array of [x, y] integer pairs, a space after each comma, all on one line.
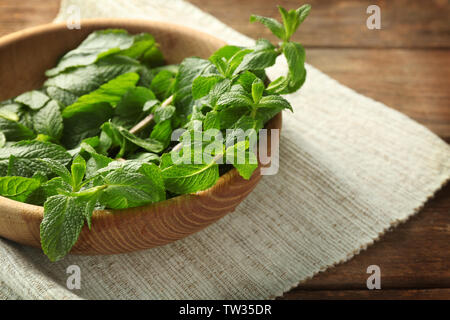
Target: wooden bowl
[[25, 56]]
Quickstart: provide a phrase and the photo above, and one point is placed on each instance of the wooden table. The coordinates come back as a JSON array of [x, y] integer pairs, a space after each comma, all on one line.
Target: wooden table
[[406, 65]]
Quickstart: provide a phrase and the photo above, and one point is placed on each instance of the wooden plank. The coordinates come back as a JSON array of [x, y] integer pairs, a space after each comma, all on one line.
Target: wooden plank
[[415, 82], [415, 255], [17, 15], [404, 23], [408, 294]]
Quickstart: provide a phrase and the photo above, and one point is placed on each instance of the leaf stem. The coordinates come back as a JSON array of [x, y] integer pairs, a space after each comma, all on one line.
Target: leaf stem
[[146, 121]]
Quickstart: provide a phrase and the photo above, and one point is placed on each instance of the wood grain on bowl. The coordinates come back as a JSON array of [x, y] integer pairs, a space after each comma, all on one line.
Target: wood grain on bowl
[[29, 53]]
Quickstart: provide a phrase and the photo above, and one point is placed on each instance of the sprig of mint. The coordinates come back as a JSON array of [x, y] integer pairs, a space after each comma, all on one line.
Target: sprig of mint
[[98, 134]]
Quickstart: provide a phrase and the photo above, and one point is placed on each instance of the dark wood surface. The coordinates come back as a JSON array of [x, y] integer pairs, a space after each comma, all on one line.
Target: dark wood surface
[[405, 65]]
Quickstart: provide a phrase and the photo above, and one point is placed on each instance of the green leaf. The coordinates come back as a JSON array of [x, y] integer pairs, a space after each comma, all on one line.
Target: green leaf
[[274, 102], [257, 90], [189, 69], [151, 145], [28, 153], [128, 189], [226, 52], [202, 85], [2, 139], [212, 121], [64, 217], [189, 178], [155, 179], [235, 99], [58, 169], [15, 131], [243, 160], [84, 123], [295, 56], [63, 97], [273, 25], [162, 132], [293, 18], [83, 80], [78, 169], [163, 113], [110, 92], [33, 99], [17, 188], [97, 44], [48, 120], [246, 169], [163, 84], [129, 110], [95, 163], [263, 56]]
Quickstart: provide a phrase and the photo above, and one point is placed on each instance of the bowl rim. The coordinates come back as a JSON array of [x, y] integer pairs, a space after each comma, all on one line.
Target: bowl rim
[[37, 212]]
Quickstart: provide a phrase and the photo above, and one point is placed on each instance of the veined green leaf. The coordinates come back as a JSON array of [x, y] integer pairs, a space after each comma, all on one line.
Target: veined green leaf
[[17, 188], [28, 153], [64, 217], [189, 178], [48, 120], [33, 99]]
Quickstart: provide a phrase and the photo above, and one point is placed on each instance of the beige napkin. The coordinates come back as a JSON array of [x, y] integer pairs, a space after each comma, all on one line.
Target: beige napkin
[[350, 168]]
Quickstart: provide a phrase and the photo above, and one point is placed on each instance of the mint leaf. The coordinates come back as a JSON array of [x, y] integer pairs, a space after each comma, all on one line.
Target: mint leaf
[[64, 217], [262, 57], [63, 97], [84, 122], [163, 84], [235, 99], [295, 56], [162, 132], [293, 18], [78, 169], [28, 153], [128, 189], [163, 113], [273, 25], [48, 120], [15, 131], [33, 99], [97, 45], [17, 188], [129, 110], [110, 92], [151, 145], [257, 90], [189, 178], [202, 85], [189, 69], [59, 169], [83, 80], [2, 139], [212, 121]]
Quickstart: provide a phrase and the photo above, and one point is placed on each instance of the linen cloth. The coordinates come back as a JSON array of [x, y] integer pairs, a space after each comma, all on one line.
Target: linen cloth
[[350, 168]]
